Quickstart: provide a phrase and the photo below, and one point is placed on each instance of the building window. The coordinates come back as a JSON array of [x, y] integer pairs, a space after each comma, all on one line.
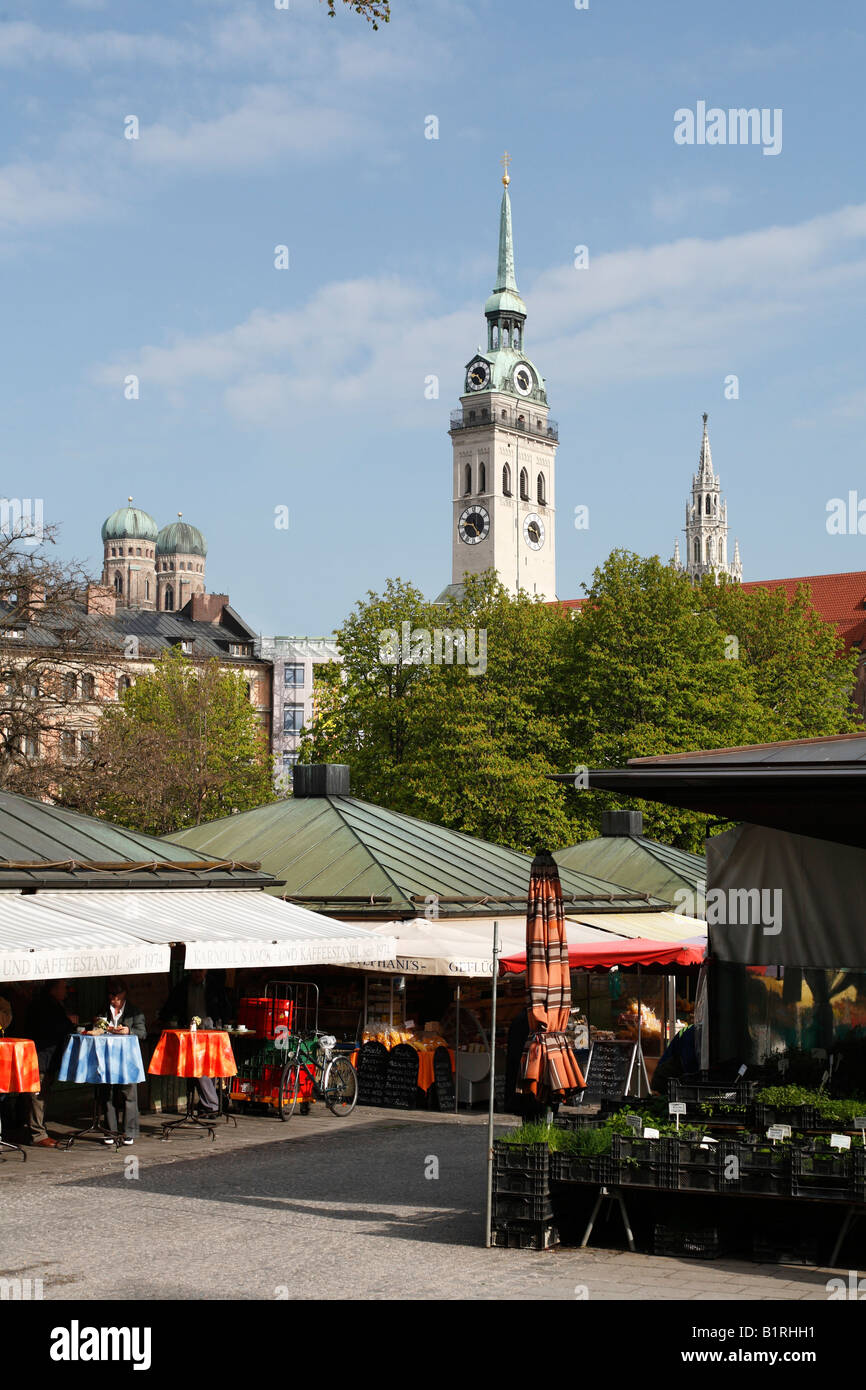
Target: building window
[[240, 649], [506, 480], [467, 477], [67, 745], [147, 588], [524, 485], [138, 550], [30, 746], [169, 599], [123, 684], [118, 583], [88, 688], [293, 719], [482, 477], [289, 761], [87, 742], [540, 490], [293, 673], [186, 646], [69, 686], [697, 552]]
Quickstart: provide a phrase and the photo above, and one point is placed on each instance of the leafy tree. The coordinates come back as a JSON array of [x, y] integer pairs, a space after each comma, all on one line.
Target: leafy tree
[[182, 746], [455, 727]]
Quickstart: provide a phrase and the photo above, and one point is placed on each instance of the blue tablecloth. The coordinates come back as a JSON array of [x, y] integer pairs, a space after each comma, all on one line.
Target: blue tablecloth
[[112, 1059]]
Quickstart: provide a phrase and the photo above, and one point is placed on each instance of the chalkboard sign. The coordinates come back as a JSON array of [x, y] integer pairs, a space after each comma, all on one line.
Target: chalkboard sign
[[609, 1070], [444, 1079], [372, 1072], [401, 1080]]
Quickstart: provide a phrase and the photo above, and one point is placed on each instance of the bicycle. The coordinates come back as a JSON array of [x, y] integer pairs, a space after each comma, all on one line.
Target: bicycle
[[319, 1074]]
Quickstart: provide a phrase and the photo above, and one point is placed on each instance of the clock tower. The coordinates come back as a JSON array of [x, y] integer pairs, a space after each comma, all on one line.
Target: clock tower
[[504, 448]]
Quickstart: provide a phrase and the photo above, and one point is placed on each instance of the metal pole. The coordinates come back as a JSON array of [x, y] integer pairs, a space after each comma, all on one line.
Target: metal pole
[[639, 1040], [488, 1240], [457, 1054]]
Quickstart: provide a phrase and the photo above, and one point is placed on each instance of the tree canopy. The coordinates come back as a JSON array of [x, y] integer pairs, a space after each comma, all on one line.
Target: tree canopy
[[649, 665]]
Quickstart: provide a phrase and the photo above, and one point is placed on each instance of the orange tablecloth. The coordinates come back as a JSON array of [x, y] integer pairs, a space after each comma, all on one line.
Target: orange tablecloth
[[180, 1052], [19, 1067], [426, 1076]]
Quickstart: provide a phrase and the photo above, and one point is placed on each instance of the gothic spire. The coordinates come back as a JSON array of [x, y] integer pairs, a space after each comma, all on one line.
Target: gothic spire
[[705, 467], [505, 279]]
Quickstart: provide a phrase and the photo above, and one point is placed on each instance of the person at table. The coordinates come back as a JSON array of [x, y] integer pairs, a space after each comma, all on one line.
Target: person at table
[[197, 996], [48, 1025], [120, 1103]]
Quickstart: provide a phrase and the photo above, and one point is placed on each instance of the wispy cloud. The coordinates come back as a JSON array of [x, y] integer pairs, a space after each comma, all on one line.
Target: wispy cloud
[[676, 308], [674, 204], [34, 195]]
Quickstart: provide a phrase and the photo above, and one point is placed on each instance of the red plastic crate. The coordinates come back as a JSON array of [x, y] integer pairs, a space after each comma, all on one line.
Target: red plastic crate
[[265, 1016]]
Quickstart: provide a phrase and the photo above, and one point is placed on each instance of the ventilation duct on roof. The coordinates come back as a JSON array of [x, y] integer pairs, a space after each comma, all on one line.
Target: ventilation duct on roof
[[320, 779]]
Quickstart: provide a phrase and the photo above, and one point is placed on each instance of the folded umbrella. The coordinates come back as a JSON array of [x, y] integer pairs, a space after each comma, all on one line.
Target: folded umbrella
[[549, 1069]]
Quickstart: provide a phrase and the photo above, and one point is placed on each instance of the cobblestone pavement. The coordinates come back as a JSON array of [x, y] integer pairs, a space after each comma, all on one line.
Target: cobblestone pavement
[[318, 1208]]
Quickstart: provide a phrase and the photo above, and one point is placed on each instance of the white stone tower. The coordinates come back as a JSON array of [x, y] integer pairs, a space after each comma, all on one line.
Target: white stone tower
[[707, 525], [504, 449]]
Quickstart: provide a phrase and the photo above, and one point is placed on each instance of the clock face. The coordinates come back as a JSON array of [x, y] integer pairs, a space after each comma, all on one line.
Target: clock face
[[478, 375], [533, 531], [523, 379], [474, 524]]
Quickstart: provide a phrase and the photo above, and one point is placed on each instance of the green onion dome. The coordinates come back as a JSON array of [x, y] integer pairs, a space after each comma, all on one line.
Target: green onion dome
[[129, 523], [179, 538]]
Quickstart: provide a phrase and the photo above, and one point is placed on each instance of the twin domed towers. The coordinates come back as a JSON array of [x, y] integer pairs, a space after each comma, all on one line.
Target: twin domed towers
[[157, 570]]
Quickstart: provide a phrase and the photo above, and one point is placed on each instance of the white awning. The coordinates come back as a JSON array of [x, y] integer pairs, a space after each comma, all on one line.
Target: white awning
[[68, 933], [458, 947]]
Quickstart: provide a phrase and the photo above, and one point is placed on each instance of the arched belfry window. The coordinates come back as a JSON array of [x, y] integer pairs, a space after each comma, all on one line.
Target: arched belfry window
[[697, 552], [711, 551], [707, 505], [467, 480], [118, 583], [169, 599], [539, 490], [524, 485], [482, 476], [506, 480]]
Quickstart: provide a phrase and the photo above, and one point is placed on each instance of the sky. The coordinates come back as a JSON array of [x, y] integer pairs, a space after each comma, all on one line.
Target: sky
[[262, 389]]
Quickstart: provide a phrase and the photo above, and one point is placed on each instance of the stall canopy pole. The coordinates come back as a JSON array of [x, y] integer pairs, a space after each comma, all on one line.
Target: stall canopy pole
[[488, 1241], [457, 1054]]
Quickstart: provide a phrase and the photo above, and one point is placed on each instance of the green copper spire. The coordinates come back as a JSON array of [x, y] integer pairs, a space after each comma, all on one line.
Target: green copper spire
[[505, 297]]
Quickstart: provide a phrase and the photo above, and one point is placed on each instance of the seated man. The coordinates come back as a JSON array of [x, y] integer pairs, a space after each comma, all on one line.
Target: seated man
[[120, 1103]]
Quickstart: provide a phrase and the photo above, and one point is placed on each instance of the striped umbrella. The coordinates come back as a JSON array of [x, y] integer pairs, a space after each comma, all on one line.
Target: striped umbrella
[[548, 1069]]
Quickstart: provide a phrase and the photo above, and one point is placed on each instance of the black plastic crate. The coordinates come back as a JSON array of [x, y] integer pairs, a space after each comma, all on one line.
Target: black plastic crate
[[701, 1244], [859, 1174], [525, 1235], [797, 1116], [784, 1247], [526, 1156], [636, 1162], [688, 1177], [575, 1119], [595, 1168], [826, 1175], [526, 1180], [760, 1168], [522, 1206]]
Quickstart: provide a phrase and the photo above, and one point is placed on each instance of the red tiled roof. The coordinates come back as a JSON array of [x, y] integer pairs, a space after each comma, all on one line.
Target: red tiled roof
[[839, 598]]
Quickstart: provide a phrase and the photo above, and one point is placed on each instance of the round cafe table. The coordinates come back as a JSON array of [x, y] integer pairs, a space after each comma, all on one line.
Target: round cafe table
[[106, 1059], [19, 1073], [190, 1054]]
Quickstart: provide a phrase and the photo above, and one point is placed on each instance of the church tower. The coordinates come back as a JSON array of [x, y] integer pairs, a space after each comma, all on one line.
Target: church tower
[[504, 449], [707, 525]]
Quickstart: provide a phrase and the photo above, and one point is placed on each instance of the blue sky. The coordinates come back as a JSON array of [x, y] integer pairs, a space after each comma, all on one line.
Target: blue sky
[[304, 387]]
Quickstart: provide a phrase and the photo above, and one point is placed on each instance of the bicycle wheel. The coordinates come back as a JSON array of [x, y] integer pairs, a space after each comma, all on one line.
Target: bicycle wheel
[[290, 1089], [340, 1086]]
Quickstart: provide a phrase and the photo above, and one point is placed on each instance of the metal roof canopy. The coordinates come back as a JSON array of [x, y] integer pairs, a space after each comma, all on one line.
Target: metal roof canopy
[[812, 787], [43, 845], [58, 934], [340, 852]]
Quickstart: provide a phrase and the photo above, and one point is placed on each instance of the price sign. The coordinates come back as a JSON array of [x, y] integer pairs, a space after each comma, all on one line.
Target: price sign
[[650, 1134], [786, 1131], [777, 1132], [840, 1141], [634, 1122], [741, 1072], [676, 1107], [860, 1122]]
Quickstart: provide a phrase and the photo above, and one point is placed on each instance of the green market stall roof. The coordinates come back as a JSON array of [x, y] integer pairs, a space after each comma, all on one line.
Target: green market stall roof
[[623, 854], [350, 858], [46, 846]]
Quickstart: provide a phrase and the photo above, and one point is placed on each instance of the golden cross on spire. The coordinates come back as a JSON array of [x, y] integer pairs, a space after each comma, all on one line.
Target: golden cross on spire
[[505, 161]]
